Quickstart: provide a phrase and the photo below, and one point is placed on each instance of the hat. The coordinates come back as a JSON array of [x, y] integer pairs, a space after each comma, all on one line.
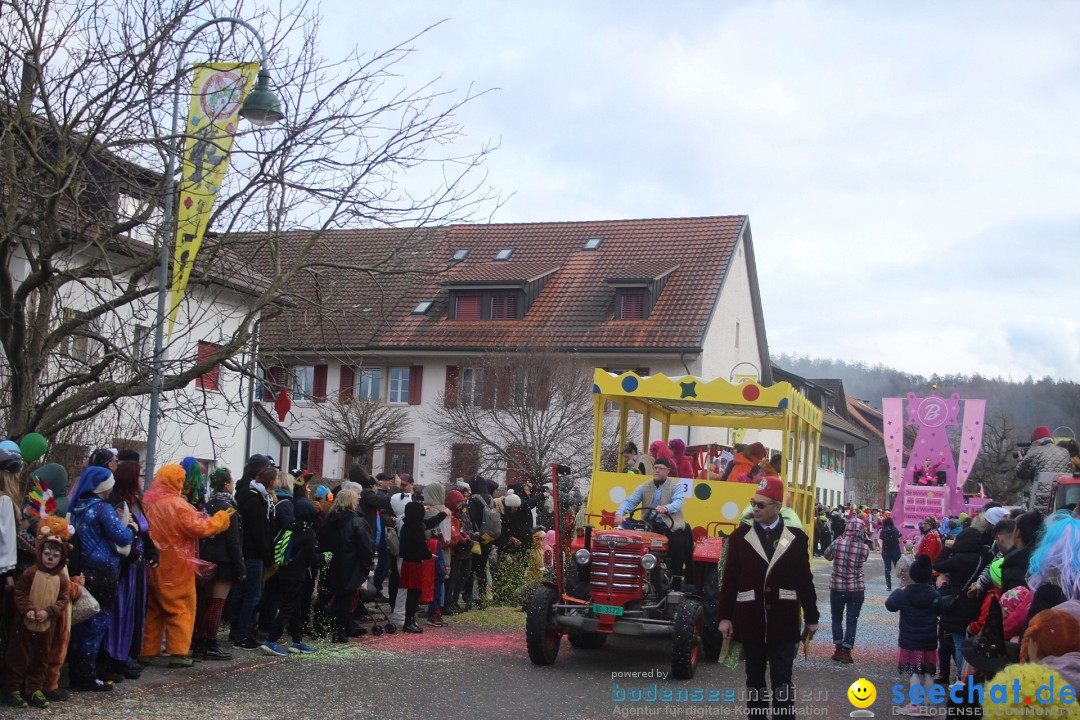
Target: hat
[[630, 447], [1040, 433], [772, 488], [988, 651], [512, 499], [322, 492], [920, 570], [662, 461], [995, 515], [1031, 678], [382, 477], [11, 461], [55, 526], [932, 522], [1054, 631], [102, 457], [454, 498]]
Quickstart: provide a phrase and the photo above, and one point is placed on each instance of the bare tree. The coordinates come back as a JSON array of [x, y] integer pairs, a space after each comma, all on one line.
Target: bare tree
[[995, 467], [359, 425], [521, 412], [85, 111]]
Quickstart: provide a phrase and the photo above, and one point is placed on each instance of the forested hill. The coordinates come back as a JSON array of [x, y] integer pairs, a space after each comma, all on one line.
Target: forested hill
[[1029, 403]]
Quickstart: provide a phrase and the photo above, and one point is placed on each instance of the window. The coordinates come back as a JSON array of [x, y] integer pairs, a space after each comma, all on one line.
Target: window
[[422, 307], [398, 392], [130, 208], [142, 346], [504, 254], [520, 389], [468, 307], [370, 385], [211, 380], [307, 455], [464, 460], [460, 254], [303, 382], [593, 243], [470, 388], [504, 307], [632, 306]]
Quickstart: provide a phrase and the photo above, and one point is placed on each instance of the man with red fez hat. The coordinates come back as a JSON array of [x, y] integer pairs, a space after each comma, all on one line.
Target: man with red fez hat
[[1043, 456], [767, 582]]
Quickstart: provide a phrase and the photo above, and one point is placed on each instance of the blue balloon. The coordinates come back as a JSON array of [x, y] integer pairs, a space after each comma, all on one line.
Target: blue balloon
[[10, 445]]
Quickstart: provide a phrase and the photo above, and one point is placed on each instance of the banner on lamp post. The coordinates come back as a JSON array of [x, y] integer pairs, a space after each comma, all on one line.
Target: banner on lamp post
[[217, 92]]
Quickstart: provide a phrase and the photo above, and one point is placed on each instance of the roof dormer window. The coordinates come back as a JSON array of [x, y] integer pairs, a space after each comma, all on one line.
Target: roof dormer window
[[504, 254], [593, 243], [422, 307], [459, 255]]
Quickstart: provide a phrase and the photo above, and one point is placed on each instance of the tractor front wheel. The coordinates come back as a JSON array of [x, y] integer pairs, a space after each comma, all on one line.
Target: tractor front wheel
[[712, 642], [686, 639], [542, 635]]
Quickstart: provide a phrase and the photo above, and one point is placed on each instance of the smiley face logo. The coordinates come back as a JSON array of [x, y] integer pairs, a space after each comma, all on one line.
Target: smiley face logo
[[862, 693]]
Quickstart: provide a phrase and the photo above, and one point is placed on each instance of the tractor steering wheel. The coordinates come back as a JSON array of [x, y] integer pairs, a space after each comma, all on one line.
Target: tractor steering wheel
[[652, 521]]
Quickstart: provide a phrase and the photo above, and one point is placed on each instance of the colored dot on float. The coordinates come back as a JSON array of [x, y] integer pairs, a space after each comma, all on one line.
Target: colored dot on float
[[703, 491], [751, 392], [630, 383]]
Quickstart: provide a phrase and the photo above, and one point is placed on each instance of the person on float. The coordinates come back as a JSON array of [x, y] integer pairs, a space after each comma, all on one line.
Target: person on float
[[664, 496], [766, 592]]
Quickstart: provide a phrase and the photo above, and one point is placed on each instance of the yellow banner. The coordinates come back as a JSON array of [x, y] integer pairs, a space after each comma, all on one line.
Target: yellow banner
[[217, 92]]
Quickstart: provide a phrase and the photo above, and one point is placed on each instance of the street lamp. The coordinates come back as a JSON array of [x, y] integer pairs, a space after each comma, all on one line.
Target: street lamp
[[261, 107]]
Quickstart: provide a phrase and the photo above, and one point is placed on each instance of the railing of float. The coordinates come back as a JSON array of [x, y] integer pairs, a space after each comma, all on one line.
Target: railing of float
[[776, 415]]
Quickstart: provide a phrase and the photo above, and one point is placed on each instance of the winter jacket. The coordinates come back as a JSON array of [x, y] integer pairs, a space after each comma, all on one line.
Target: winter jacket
[[257, 526], [304, 547], [763, 597], [962, 562], [1014, 569], [347, 536], [517, 523], [413, 538], [99, 531], [1044, 456], [890, 543], [226, 548], [848, 554], [919, 605], [930, 544]]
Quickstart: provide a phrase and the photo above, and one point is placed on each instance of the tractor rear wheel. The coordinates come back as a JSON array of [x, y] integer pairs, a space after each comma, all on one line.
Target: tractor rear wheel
[[586, 640], [712, 642], [686, 639], [542, 635]]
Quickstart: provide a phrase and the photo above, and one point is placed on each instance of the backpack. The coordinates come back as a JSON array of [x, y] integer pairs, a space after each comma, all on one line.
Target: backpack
[[284, 548], [492, 524]]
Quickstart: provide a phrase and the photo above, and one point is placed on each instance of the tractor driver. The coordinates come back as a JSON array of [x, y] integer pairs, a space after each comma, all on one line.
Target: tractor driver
[[664, 495]]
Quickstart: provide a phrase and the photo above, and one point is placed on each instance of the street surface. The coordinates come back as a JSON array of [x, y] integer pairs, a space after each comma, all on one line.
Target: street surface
[[478, 669]]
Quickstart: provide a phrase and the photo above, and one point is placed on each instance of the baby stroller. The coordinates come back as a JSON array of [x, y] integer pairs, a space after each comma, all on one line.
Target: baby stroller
[[371, 610]]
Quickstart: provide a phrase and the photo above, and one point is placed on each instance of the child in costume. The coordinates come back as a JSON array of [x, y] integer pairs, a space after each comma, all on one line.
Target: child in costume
[[919, 606], [41, 599]]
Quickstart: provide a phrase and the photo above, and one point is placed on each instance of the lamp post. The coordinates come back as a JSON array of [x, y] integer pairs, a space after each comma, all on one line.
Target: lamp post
[[261, 107]]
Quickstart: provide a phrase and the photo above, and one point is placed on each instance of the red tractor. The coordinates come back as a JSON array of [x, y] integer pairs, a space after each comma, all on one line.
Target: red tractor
[[619, 584]]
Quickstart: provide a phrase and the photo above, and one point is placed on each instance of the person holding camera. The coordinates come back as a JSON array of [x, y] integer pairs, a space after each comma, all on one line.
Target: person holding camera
[[664, 497]]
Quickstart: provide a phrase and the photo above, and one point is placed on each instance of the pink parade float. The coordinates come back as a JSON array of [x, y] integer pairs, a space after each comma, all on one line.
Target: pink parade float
[[932, 483]]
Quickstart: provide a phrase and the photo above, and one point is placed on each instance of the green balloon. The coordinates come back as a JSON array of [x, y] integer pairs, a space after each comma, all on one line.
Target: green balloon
[[33, 446]]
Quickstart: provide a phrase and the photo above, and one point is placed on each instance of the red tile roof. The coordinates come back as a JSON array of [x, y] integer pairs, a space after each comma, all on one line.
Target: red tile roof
[[350, 310]]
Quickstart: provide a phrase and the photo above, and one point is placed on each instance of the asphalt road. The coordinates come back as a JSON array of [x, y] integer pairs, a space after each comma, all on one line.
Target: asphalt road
[[478, 669]]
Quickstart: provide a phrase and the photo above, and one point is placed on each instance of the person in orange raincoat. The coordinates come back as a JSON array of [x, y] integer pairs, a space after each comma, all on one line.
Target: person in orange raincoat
[[175, 528]]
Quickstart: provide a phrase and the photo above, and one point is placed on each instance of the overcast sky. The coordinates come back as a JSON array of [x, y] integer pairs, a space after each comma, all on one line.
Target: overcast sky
[[911, 170]]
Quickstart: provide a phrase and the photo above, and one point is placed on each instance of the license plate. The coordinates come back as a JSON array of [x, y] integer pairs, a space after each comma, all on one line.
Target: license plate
[[607, 609]]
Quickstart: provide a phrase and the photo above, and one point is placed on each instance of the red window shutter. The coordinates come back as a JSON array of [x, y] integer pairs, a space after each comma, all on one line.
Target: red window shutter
[[468, 307], [450, 392], [504, 307], [273, 382], [345, 387], [315, 456], [318, 384], [515, 467], [542, 391], [211, 379], [416, 381], [633, 306]]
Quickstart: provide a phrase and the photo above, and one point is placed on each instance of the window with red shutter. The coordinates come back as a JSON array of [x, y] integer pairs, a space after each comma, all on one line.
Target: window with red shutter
[[318, 385], [450, 392], [516, 465], [632, 306], [468, 307], [315, 456], [504, 307], [211, 379], [345, 386], [464, 460], [416, 384]]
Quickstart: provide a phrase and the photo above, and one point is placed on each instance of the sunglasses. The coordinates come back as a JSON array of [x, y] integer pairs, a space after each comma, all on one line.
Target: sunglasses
[[763, 505]]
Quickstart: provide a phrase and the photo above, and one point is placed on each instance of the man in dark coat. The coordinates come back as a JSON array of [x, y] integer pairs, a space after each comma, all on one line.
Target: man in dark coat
[[962, 560], [767, 581]]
